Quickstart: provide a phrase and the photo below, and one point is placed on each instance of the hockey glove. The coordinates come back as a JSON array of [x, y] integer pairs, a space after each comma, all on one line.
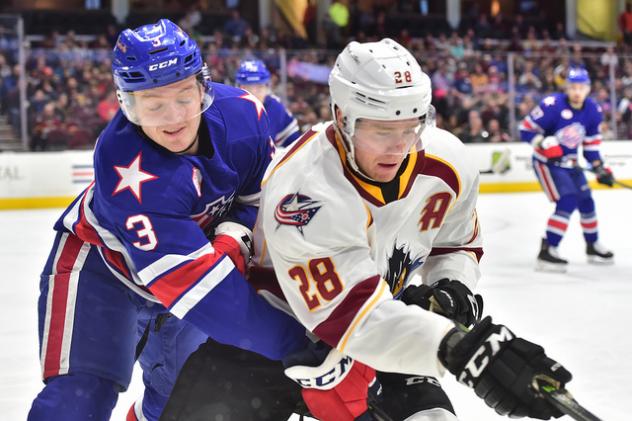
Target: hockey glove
[[234, 240], [451, 299], [501, 369], [335, 387], [604, 175], [549, 147]]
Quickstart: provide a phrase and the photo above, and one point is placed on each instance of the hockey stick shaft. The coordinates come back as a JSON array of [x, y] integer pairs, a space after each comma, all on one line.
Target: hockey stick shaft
[[564, 401], [617, 182]]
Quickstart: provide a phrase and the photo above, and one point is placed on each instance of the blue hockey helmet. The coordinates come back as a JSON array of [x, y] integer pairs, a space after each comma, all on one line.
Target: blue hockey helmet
[[154, 56], [578, 75], [252, 72]]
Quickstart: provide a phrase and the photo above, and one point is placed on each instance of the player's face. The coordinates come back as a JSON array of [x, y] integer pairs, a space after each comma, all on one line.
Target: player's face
[[577, 93], [381, 146], [260, 90], [170, 115]]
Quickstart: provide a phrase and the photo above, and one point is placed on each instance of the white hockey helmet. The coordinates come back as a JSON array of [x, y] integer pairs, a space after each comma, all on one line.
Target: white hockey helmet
[[378, 81]]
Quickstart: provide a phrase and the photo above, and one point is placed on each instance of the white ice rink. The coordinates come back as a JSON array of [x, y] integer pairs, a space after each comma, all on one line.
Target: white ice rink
[[583, 318]]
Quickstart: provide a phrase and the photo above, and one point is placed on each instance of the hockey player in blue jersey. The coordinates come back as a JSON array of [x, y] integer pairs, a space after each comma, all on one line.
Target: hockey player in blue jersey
[[556, 128], [254, 77], [149, 260]]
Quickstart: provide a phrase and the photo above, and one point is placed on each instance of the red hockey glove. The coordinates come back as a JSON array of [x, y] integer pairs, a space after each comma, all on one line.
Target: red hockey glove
[[335, 387], [234, 240], [549, 147]]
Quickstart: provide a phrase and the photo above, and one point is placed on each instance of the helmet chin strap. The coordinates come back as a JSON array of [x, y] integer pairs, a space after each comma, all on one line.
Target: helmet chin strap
[[347, 143]]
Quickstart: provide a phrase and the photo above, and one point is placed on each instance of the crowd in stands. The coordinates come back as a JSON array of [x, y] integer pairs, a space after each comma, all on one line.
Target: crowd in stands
[[71, 98]]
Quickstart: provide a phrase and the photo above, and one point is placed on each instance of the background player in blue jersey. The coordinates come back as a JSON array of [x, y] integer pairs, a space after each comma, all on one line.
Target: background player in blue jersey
[[254, 77], [149, 260], [556, 128]]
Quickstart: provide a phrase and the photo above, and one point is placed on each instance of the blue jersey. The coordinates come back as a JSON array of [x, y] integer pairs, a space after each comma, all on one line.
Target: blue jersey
[[149, 212], [554, 116], [283, 126]]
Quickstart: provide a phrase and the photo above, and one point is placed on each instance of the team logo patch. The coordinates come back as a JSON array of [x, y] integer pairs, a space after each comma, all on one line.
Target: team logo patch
[[400, 265], [567, 114], [572, 135], [296, 210]]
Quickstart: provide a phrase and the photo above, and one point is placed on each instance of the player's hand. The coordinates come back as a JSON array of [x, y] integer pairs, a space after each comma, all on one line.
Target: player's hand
[[604, 175], [451, 299], [234, 240], [501, 367], [335, 387], [548, 147]]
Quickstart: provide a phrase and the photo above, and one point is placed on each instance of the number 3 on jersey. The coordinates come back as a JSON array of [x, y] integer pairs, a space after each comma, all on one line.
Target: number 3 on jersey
[[145, 232], [322, 282]]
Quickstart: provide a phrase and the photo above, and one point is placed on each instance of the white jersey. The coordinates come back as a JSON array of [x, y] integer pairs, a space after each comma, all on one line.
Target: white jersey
[[343, 248]]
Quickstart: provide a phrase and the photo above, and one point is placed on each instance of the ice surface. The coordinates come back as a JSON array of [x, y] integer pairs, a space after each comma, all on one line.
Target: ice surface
[[582, 318]]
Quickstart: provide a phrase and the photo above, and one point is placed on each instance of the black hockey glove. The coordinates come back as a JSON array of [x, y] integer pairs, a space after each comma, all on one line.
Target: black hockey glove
[[501, 368], [604, 175], [451, 299]]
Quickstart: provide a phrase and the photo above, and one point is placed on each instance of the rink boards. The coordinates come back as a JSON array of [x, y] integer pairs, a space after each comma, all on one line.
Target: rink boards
[[53, 179]]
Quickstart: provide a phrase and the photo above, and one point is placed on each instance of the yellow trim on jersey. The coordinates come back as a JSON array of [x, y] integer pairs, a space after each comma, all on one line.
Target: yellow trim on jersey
[[287, 157], [35, 202], [458, 177], [343, 343], [371, 189], [404, 179], [369, 219], [264, 249]]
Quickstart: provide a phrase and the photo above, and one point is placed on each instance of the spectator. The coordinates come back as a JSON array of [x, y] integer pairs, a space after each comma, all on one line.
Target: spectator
[[235, 27], [336, 23], [474, 131], [107, 107], [496, 134], [625, 24]]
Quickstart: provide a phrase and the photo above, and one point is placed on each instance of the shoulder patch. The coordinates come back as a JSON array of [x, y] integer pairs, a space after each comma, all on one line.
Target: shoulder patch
[[296, 210]]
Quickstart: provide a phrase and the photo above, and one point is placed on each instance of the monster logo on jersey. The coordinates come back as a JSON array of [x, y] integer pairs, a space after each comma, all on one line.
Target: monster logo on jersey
[[400, 265], [296, 210]]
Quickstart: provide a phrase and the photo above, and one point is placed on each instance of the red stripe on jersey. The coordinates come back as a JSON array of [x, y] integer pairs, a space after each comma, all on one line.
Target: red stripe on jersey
[[558, 224], [334, 327], [547, 183], [591, 142], [115, 259], [173, 285], [62, 271], [436, 168], [438, 251], [83, 229], [527, 124]]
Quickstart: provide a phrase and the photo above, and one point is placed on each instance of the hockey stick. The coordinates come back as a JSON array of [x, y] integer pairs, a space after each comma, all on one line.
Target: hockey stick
[[617, 182], [562, 400]]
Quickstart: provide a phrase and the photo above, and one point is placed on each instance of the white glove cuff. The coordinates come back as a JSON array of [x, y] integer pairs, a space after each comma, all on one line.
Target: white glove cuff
[[326, 376], [240, 233]]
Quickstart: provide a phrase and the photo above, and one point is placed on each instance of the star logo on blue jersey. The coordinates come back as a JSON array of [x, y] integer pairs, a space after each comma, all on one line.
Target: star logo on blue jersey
[[296, 210], [549, 100], [132, 178], [258, 105]]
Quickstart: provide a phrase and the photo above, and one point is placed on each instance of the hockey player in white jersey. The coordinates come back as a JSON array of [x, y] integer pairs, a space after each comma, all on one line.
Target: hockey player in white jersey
[[351, 213]]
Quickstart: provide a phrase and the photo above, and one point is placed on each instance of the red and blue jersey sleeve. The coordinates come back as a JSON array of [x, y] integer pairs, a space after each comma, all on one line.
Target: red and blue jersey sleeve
[[140, 208], [283, 126], [592, 141], [540, 120]]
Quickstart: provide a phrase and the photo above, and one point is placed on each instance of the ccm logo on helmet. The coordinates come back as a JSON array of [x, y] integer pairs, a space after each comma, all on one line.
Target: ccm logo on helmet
[[163, 64]]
